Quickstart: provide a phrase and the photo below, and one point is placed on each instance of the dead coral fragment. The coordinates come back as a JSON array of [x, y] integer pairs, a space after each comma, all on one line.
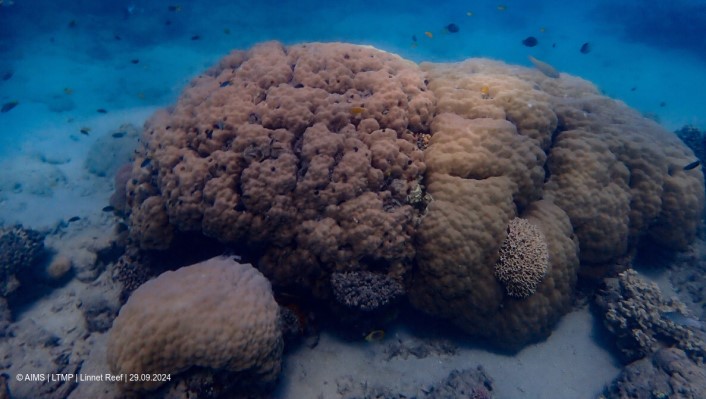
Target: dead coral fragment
[[524, 259]]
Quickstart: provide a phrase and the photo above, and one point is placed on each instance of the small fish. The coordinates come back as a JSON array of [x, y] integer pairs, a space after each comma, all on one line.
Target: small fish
[[118, 135], [375, 335], [469, 13], [633, 88], [226, 83], [7, 75], [553, 45], [85, 130], [141, 95], [452, 28], [414, 38], [682, 320], [692, 165], [585, 48], [357, 111], [414, 45], [108, 208], [530, 41], [68, 91], [663, 104], [502, 7], [429, 34], [195, 37], [102, 111], [226, 31], [542, 30], [72, 23], [545, 68], [135, 60], [174, 8], [485, 92], [9, 105], [117, 37], [145, 162], [74, 219]]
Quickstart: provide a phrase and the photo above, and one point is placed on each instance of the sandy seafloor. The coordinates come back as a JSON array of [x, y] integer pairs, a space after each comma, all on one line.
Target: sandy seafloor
[[61, 74]]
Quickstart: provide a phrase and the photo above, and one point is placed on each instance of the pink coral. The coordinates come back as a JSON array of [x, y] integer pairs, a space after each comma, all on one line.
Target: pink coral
[[308, 151]]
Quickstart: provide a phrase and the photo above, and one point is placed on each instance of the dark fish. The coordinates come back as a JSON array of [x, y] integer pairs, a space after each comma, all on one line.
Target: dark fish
[[108, 208], [530, 41], [452, 28], [195, 37], [663, 104], [135, 60], [414, 38], [226, 83], [117, 37], [8, 106], [74, 219], [174, 8], [7, 75], [145, 162], [85, 130], [633, 88], [101, 111], [72, 23], [683, 320], [118, 135], [692, 165], [553, 45], [585, 48]]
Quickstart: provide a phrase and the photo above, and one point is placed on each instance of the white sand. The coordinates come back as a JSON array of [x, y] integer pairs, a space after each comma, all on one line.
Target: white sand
[[569, 365]]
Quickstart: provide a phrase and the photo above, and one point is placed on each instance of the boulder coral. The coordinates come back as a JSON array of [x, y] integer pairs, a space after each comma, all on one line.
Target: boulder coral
[[331, 158], [218, 315], [308, 152]]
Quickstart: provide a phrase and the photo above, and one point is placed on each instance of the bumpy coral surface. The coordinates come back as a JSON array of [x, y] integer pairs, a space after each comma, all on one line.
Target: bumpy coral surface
[[365, 291], [524, 259], [644, 321], [19, 249], [307, 151], [218, 315], [330, 158]]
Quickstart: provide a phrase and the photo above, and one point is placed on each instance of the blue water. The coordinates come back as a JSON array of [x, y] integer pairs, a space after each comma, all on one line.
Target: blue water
[[649, 56]]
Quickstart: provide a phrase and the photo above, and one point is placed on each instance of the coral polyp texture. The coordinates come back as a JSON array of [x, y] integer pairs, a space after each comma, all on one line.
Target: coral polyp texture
[[524, 259], [307, 151], [217, 315], [331, 158]]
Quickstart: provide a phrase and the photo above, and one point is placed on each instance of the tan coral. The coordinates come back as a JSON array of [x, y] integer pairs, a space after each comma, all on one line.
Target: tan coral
[[278, 142], [524, 259], [218, 314]]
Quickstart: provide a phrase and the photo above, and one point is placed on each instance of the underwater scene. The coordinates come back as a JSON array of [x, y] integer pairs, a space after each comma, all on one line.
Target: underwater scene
[[352, 200]]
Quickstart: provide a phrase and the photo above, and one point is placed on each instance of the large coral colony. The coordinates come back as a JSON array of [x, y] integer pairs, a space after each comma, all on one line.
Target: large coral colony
[[478, 191]]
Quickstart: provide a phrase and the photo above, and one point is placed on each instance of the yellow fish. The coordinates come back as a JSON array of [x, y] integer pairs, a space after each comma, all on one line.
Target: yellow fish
[[429, 34], [356, 111], [68, 91], [485, 92], [375, 335], [502, 7]]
